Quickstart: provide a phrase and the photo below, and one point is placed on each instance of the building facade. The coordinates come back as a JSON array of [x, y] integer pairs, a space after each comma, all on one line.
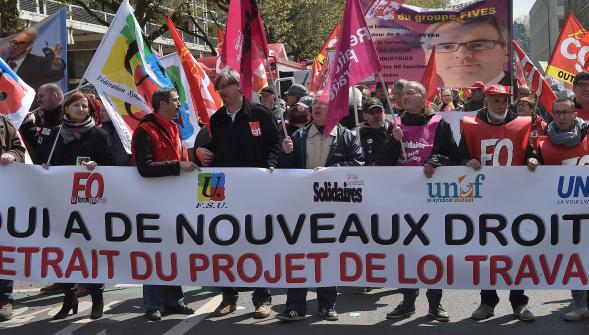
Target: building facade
[[546, 19], [581, 10]]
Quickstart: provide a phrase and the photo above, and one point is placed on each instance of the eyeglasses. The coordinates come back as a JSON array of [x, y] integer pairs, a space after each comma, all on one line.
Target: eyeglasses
[[582, 86], [480, 45], [562, 113], [16, 44]]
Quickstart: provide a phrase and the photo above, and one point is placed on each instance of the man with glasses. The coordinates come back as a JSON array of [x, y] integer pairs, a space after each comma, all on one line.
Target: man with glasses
[[469, 50], [581, 90]]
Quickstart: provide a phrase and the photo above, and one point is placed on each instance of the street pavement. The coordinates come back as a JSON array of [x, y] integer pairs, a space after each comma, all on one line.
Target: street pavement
[[359, 314]]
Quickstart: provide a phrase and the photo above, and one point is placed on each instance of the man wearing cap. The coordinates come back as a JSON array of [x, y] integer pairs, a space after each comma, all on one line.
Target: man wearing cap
[[381, 94], [376, 135], [294, 94], [581, 90], [477, 94], [428, 142], [496, 136], [268, 99]]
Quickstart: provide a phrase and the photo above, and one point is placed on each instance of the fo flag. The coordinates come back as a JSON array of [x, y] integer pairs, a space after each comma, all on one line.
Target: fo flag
[[245, 48], [534, 79], [16, 97], [569, 55], [355, 59]]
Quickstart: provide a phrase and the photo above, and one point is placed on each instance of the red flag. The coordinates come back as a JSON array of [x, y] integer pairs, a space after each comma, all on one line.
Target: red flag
[[245, 46], [319, 67], [220, 39], [355, 59], [568, 55], [194, 75], [535, 80], [519, 75], [430, 77]]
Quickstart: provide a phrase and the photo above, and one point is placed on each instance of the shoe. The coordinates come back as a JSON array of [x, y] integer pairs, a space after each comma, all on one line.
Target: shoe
[[51, 289], [82, 290], [362, 290], [577, 314], [483, 312], [438, 313], [70, 302], [225, 308], [329, 314], [404, 310], [523, 313], [291, 315], [5, 311], [179, 309], [262, 311], [97, 303], [153, 315]]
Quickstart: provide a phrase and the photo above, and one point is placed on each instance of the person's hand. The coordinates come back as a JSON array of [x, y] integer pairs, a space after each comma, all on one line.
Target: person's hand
[[532, 164], [30, 118], [45, 166], [397, 133], [188, 166], [319, 168], [205, 156], [475, 164], [6, 159], [428, 170], [91, 165], [287, 145], [271, 169], [56, 55]]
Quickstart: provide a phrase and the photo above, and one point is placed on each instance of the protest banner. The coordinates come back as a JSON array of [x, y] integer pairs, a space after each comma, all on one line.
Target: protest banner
[[38, 54], [462, 229], [472, 42]]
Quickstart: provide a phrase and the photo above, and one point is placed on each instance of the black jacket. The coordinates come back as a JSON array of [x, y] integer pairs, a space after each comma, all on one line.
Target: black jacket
[[93, 144], [445, 150], [36, 135], [380, 148], [464, 154], [472, 106], [251, 140], [9, 141]]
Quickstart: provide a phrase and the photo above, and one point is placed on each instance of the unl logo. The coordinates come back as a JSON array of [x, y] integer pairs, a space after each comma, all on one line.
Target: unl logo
[[87, 188], [211, 187]]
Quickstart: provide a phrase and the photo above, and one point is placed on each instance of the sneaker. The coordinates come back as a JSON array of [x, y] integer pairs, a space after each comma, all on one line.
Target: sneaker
[[179, 309], [483, 312], [362, 290], [404, 310], [53, 288], [153, 315], [82, 290], [523, 313], [5, 311], [329, 314], [438, 313], [262, 311], [577, 314], [225, 308], [289, 315]]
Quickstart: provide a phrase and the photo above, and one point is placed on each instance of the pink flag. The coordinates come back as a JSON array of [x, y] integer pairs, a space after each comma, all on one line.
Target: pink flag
[[245, 46], [355, 59]]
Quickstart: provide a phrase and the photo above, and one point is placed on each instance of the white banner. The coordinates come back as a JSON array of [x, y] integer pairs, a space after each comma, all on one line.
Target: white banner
[[370, 226]]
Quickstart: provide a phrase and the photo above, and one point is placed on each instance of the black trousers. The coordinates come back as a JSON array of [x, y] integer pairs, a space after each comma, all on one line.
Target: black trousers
[[516, 298]]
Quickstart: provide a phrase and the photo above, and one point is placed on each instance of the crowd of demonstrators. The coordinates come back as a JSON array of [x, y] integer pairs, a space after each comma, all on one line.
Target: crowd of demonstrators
[[295, 93], [496, 121], [244, 134], [477, 95], [297, 117], [268, 99], [525, 92], [527, 106], [354, 109], [309, 149], [447, 101]]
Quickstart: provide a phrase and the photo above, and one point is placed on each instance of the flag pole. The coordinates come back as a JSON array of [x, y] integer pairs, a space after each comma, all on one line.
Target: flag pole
[[356, 114], [281, 114], [386, 92]]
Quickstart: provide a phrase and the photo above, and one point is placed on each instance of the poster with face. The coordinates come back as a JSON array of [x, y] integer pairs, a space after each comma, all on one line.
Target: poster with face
[[472, 43]]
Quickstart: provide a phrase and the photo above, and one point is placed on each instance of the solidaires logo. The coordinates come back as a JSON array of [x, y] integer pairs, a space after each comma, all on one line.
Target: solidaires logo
[[211, 187]]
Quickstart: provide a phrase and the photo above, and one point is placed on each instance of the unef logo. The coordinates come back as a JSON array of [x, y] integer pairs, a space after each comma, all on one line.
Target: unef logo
[[211, 190], [573, 190], [462, 190], [87, 188]]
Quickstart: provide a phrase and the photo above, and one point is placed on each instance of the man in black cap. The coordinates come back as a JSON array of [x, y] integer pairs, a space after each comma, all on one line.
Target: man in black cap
[[376, 135], [295, 93], [268, 99], [581, 90]]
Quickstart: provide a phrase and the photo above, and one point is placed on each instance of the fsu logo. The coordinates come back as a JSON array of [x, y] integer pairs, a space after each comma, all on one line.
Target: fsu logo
[[211, 187]]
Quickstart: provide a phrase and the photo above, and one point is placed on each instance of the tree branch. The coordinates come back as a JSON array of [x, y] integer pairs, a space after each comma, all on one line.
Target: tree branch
[[91, 12]]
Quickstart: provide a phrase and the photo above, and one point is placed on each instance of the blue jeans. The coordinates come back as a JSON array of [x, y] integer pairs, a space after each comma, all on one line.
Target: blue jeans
[[6, 291], [160, 296], [260, 295], [579, 298], [434, 296], [296, 298]]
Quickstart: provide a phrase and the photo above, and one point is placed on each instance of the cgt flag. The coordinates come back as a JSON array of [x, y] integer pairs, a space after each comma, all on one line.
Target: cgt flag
[[534, 79], [355, 59], [16, 97], [319, 67], [245, 48], [570, 51]]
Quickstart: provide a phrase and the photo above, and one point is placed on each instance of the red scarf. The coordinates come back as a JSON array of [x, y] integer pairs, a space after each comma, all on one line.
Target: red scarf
[[165, 137]]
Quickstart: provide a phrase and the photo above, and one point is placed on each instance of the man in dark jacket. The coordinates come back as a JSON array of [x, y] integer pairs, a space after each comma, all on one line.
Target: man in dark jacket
[[11, 150], [428, 142], [158, 151], [477, 94], [376, 134], [243, 135], [309, 149]]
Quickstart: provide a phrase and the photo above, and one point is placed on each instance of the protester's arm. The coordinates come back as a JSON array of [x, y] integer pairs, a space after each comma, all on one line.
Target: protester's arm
[[143, 149], [531, 150], [445, 150], [353, 151], [17, 150], [272, 139]]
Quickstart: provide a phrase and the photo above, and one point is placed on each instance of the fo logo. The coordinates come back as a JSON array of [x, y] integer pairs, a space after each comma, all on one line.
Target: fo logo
[[87, 188], [211, 187]]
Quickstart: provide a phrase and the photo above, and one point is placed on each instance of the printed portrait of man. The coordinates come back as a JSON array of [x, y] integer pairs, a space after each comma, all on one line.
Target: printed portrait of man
[[469, 50]]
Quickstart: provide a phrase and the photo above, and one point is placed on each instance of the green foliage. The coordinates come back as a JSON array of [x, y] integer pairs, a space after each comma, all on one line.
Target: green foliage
[[429, 3], [10, 23]]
